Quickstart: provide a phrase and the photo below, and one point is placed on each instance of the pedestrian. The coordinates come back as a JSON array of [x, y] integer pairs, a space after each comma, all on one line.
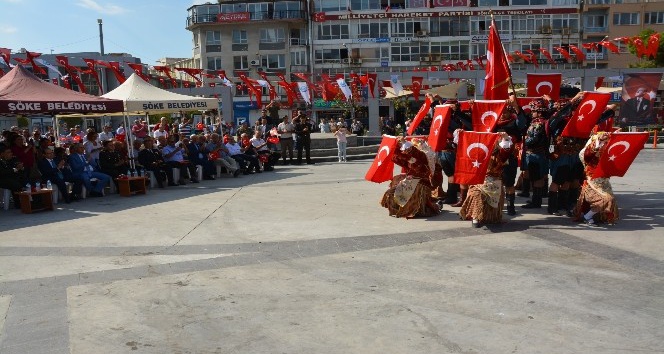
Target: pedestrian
[[342, 142]]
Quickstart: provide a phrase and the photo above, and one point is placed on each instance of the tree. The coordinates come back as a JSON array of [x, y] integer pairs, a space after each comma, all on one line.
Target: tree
[[647, 62]]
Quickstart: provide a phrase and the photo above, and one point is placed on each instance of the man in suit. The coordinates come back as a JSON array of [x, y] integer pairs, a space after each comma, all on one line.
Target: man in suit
[[152, 160], [198, 155], [638, 108], [52, 171], [83, 171]]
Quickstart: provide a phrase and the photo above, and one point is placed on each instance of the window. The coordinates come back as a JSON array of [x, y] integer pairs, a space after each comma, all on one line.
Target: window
[[364, 5], [531, 24], [488, 3], [405, 52], [241, 89], [207, 13], [652, 18], [412, 4], [452, 50], [372, 29], [287, 9], [406, 27], [240, 62], [299, 58], [481, 24], [298, 36], [570, 21], [330, 31], [239, 37], [626, 18], [259, 11], [449, 26], [213, 41], [273, 61], [233, 8], [528, 2], [334, 55], [273, 35], [214, 63], [331, 5]]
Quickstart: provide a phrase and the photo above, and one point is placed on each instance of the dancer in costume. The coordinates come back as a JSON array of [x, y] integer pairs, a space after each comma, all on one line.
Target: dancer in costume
[[514, 125], [410, 193], [447, 156], [537, 143]]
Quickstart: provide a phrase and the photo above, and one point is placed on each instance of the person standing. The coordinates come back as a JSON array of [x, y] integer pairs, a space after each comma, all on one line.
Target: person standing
[[184, 129], [342, 142], [140, 129], [285, 130], [273, 109], [303, 128]]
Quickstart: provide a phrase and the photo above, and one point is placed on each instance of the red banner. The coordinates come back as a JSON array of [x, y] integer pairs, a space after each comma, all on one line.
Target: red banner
[[441, 122], [424, 109], [544, 84], [485, 114], [472, 156], [619, 153], [587, 114], [382, 168]]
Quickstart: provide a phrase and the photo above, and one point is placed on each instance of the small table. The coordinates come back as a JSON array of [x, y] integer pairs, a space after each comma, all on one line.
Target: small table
[[36, 201], [131, 185]]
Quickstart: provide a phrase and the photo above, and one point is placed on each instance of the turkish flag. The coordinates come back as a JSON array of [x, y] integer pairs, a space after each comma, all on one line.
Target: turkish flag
[[371, 78], [524, 102], [548, 56], [544, 84], [497, 70], [138, 69], [416, 86], [485, 114], [6, 54], [619, 153], [580, 57], [441, 121], [610, 46], [605, 126], [653, 45], [424, 109], [382, 168], [640, 47], [586, 114], [564, 53], [472, 156]]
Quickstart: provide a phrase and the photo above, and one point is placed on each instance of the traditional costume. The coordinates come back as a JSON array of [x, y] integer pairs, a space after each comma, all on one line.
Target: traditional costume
[[410, 193]]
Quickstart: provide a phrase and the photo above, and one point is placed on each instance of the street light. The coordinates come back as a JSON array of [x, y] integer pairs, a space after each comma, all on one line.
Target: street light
[[101, 52]]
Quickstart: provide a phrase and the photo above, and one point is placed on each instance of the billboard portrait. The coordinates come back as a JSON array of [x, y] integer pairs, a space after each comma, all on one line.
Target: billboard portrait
[[638, 98]]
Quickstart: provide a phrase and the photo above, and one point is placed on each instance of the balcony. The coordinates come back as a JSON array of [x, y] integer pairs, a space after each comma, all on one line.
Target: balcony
[[272, 45], [286, 15], [297, 42], [596, 30]]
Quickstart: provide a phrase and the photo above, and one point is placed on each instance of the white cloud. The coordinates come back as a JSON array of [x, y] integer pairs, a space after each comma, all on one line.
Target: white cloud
[[108, 9], [7, 29]]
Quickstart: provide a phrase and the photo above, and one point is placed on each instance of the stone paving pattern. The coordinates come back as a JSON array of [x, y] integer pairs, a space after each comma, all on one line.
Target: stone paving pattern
[[304, 260]]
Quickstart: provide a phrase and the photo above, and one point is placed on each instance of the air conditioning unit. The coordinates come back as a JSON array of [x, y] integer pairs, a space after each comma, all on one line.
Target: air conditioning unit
[[255, 62], [545, 30], [421, 33], [567, 31]]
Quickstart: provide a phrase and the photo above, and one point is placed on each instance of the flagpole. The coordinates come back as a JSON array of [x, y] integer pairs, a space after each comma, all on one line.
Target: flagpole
[[509, 66]]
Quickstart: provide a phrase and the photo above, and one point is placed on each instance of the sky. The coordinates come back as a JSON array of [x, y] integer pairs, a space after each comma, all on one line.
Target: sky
[[147, 29]]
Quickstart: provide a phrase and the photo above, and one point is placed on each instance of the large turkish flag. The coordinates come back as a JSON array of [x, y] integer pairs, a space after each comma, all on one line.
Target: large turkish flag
[[620, 151], [472, 156], [382, 168]]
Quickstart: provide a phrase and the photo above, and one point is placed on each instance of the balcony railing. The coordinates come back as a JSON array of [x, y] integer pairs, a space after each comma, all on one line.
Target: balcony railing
[[253, 16], [596, 29]]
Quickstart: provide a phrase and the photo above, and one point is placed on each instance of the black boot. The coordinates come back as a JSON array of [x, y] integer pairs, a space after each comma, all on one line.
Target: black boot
[[525, 188], [464, 194], [572, 197], [562, 203], [452, 191], [552, 203], [536, 201], [510, 204]]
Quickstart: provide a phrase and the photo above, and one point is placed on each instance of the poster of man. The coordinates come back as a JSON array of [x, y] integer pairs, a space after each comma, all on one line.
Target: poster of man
[[638, 98]]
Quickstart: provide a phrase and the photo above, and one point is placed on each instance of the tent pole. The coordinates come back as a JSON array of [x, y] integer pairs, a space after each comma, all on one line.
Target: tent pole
[[129, 134]]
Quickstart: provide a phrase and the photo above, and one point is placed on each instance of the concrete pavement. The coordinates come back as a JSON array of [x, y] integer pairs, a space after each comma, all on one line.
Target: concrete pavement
[[304, 260]]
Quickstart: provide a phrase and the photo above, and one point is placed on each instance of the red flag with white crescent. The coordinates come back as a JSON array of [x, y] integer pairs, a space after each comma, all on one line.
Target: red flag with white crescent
[[497, 69], [138, 69], [441, 121], [653, 45], [563, 52], [544, 84], [580, 57], [485, 114], [424, 109], [371, 79], [548, 56], [6, 55], [382, 168], [620, 151], [416, 86], [472, 156], [587, 114]]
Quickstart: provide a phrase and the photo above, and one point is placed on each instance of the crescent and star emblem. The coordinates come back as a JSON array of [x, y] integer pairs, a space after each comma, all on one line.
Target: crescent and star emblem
[[544, 83], [622, 143], [437, 127], [480, 146], [486, 114], [590, 102], [384, 148]]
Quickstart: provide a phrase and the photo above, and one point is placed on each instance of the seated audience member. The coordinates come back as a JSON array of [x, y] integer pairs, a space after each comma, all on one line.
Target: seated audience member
[[152, 160], [198, 155], [174, 155], [267, 157], [237, 153], [219, 155], [82, 171], [61, 155], [106, 134], [11, 172], [110, 161], [52, 171]]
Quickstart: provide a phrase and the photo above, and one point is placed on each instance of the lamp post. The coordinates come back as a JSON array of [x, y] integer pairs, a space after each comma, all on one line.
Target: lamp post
[[101, 52]]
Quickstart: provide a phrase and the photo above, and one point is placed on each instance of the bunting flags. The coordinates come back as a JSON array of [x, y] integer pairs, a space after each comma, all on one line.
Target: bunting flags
[[167, 71], [564, 53], [6, 55], [485, 114], [653, 46], [382, 168], [610, 46], [472, 156], [548, 56], [640, 47], [396, 84], [30, 59], [251, 85], [195, 73], [138, 69], [289, 91], [273, 92], [620, 151], [439, 125], [115, 68], [416, 86], [92, 71], [371, 83], [497, 69], [71, 70], [343, 86], [580, 57], [586, 114], [424, 109], [311, 88], [304, 91]]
